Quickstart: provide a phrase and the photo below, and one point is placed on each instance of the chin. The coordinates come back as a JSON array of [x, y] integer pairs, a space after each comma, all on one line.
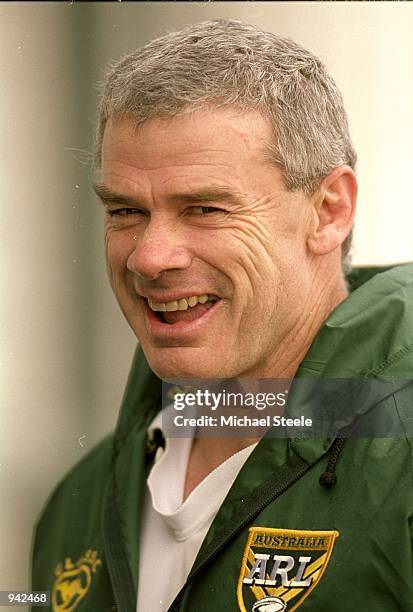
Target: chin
[[173, 364], [189, 372]]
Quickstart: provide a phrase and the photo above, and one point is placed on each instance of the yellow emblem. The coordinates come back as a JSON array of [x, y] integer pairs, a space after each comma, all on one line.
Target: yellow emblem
[[281, 567], [73, 581]]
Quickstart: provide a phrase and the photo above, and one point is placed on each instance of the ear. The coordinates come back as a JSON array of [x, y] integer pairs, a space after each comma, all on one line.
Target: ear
[[333, 213]]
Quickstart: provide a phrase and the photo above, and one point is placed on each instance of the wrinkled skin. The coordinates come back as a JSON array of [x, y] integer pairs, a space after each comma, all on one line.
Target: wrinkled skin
[[251, 251]]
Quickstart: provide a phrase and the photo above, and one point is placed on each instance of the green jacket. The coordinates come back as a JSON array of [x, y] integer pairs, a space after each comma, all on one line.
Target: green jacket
[[279, 536]]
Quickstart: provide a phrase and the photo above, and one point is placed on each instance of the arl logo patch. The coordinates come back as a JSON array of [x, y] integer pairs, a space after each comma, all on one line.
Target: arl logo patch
[[73, 581], [281, 567]]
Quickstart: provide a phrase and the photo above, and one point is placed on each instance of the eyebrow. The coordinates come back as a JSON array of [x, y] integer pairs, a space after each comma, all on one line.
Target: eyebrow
[[207, 194], [105, 194]]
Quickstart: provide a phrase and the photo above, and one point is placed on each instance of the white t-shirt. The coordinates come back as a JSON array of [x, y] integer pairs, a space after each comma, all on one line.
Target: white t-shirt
[[171, 531]]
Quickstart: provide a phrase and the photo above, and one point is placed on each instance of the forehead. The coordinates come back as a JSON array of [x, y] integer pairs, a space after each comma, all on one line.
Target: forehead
[[213, 140]]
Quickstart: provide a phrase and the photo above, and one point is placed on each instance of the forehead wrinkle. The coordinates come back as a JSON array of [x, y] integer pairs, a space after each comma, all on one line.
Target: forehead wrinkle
[[178, 149], [137, 165], [219, 158]]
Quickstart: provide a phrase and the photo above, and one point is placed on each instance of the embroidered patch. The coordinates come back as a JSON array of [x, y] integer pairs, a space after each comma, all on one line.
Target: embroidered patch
[[73, 581], [281, 567]]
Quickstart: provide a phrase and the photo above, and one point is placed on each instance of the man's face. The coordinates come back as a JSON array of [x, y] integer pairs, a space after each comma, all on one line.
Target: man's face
[[195, 212]]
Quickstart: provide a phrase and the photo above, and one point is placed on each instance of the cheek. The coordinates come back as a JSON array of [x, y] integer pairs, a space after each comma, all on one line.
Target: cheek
[[255, 257], [250, 263], [117, 251]]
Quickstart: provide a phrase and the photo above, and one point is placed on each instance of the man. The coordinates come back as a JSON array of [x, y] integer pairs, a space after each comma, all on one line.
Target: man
[[228, 185]]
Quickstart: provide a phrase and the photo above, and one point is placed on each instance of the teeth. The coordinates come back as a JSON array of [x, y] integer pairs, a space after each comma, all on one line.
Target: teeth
[[171, 306], [182, 304]]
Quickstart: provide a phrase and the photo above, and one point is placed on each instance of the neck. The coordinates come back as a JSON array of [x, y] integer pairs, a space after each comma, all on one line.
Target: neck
[[328, 290], [207, 454], [296, 343]]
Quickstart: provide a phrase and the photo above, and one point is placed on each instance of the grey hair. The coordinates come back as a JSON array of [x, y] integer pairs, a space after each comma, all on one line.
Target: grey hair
[[230, 63]]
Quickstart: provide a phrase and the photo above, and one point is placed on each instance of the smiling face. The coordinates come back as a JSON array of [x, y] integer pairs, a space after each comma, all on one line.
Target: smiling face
[[206, 249]]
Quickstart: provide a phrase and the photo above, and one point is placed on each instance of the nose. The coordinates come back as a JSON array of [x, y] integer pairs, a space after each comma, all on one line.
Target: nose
[[160, 247]]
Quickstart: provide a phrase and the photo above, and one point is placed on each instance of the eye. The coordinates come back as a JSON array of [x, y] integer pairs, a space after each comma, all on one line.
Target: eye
[[206, 210], [124, 212]]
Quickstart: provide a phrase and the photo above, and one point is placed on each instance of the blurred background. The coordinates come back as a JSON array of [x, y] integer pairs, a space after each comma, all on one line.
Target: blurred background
[[65, 349]]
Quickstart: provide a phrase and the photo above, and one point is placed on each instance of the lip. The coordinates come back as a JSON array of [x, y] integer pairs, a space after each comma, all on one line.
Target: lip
[[176, 333]]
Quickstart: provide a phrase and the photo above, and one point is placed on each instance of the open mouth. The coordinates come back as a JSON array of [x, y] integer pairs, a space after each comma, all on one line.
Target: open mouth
[[183, 310]]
